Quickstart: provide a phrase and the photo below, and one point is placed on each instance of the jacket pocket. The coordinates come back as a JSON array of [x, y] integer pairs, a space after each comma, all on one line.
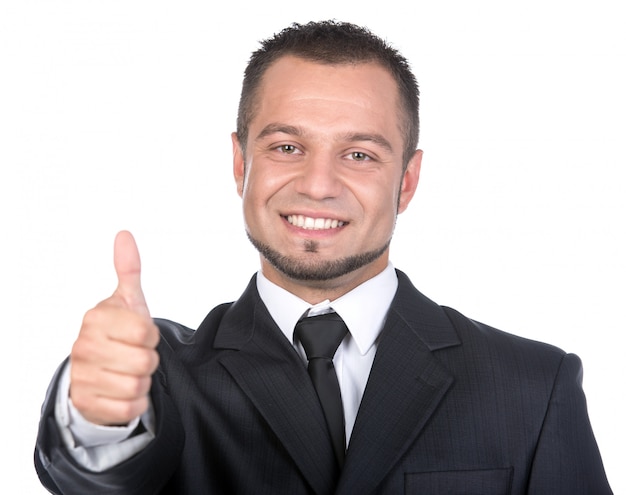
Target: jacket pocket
[[478, 482]]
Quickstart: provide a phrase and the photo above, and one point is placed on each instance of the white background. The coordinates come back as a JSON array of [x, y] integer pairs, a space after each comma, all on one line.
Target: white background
[[116, 115]]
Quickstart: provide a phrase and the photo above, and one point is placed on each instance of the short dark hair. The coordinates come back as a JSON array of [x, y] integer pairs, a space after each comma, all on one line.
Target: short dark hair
[[331, 42]]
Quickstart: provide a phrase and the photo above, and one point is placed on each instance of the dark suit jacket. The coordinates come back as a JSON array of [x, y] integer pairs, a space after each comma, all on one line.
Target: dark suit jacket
[[451, 407]]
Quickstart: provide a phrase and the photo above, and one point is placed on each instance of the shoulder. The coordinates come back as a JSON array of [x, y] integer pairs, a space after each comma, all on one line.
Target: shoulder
[[474, 342], [473, 330], [506, 354]]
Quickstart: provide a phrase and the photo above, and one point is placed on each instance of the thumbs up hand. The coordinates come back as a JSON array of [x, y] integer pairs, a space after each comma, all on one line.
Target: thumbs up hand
[[114, 356]]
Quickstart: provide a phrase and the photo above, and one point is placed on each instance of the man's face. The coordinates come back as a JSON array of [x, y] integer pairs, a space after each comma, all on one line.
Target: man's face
[[322, 179]]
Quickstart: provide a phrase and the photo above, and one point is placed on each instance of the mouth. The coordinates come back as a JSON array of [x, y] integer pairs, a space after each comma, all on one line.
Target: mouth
[[310, 223]]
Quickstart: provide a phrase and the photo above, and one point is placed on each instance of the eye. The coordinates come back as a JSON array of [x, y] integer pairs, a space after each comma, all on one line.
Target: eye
[[359, 156], [287, 149]]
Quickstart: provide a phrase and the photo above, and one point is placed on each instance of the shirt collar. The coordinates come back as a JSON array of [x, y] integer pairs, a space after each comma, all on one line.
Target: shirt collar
[[363, 309]]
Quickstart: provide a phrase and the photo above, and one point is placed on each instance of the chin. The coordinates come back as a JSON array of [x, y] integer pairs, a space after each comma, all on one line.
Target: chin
[[316, 270]]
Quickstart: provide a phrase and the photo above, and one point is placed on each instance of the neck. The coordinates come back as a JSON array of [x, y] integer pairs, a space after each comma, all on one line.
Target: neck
[[316, 291]]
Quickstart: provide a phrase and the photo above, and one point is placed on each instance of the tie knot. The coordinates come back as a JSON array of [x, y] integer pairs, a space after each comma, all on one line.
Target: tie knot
[[321, 335]]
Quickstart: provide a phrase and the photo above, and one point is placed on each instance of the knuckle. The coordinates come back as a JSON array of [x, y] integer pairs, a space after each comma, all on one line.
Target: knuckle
[[143, 387], [146, 333], [85, 350], [92, 317], [145, 362], [130, 409], [155, 361], [78, 350], [155, 336], [136, 388], [79, 357], [77, 374], [140, 332], [81, 401]]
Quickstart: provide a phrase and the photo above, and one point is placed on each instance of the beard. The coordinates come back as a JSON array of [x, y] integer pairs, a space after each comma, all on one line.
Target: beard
[[315, 270]]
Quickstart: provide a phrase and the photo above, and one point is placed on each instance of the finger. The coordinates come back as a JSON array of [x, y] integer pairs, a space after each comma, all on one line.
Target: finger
[[114, 356], [131, 360], [109, 385], [128, 269], [110, 412], [109, 322]]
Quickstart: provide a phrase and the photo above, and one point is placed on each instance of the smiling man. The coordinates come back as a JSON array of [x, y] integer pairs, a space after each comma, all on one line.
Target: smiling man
[[409, 397], [322, 175]]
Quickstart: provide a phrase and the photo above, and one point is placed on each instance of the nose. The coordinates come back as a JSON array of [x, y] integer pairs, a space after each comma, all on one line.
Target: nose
[[319, 177]]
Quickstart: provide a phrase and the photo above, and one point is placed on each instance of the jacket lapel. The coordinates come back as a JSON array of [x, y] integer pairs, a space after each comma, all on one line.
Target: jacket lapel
[[273, 376], [405, 386]]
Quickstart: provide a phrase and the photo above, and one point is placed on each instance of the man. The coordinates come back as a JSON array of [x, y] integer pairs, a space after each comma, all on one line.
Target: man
[[325, 157]]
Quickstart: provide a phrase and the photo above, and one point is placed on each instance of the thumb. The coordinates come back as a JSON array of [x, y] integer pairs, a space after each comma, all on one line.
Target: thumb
[[128, 269]]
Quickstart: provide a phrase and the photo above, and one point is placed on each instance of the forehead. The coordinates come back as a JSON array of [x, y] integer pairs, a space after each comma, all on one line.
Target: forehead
[[300, 87]]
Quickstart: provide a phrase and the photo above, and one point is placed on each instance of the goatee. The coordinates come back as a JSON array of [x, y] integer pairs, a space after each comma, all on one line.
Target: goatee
[[315, 270]]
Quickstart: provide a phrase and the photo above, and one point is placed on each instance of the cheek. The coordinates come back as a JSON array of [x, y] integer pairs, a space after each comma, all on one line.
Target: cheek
[[251, 185], [379, 199], [261, 186]]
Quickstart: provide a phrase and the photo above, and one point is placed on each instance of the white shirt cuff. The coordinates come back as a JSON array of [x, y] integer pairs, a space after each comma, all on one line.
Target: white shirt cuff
[[93, 446]]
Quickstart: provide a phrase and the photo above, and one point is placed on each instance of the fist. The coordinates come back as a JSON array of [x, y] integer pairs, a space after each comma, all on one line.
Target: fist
[[114, 356]]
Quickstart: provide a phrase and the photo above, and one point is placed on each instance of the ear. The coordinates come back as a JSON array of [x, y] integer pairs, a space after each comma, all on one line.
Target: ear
[[409, 180], [238, 164]]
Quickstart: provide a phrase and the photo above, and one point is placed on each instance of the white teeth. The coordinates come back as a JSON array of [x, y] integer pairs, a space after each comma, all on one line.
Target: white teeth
[[310, 223]]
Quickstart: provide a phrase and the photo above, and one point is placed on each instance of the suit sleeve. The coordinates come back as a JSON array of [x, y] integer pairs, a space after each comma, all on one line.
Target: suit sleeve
[[567, 460], [146, 472]]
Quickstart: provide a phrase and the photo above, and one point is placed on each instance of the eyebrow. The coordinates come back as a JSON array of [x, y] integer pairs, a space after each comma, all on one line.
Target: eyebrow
[[377, 139], [282, 128], [351, 137]]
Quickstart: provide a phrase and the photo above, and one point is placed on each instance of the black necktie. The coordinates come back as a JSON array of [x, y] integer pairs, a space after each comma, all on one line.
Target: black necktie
[[320, 336]]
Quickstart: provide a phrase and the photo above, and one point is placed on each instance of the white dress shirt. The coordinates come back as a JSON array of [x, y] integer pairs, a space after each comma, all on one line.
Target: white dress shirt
[[363, 309]]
